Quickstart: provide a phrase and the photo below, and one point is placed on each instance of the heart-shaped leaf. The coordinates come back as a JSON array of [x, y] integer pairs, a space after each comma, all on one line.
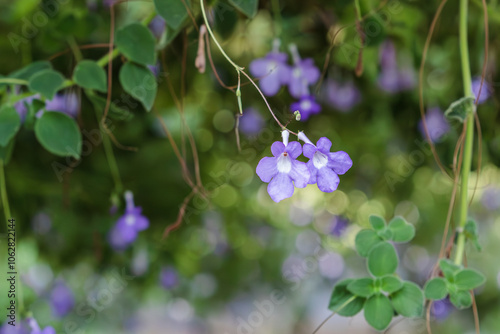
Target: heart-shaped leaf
[[137, 43], [382, 259], [46, 82], [340, 296], [89, 75], [173, 11], [365, 241], [378, 311], [409, 300], [139, 82], [401, 230], [59, 134], [390, 284], [460, 109], [377, 222], [468, 279], [27, 72], [362, 287], [10, 122], [436, 289]]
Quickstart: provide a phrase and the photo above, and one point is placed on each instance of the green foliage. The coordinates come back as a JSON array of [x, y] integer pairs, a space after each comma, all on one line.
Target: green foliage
[[377, 222], [461, 299], [436, 289], [247, 7], [6, 152], [402, 231], [340, 296], [140, 83], [9, 124], [378, 311], [468, 279], [46, 82], [365, 241], [390, 284], [362, 287], [59, 134], [409, 300], [382, 259], [89, 75], [28, 71], [137, 43], [173, 11], [471, 233], [460, 109], [448, 268], [114, 112]]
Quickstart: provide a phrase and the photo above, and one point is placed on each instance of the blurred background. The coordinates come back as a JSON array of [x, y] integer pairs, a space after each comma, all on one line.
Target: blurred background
[[239, 262]]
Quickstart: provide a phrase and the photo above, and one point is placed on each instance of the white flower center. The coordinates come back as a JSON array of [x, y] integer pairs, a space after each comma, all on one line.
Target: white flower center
[[271, 66], [305, 105], [284, 163], [130, 220], [319, 160], [297, 73]]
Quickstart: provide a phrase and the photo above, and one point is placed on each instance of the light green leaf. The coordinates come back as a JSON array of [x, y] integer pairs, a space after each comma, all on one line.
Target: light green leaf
[[46, 82], [27, 72], [89, 75], [468, 279], [140, 83], [59, 134], [365, 241], [436, 289], [137, 43], [401, 230], [390, 284], [173, 11], [461, 299], [362, 287], [10, 122], [409, 300], [471, 233], [382, 259], [340, 296], [378, 312], [247, 7], [377, 222], [448, 268], [460, 109]]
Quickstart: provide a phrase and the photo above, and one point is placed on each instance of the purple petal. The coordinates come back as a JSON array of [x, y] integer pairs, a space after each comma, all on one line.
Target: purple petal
[[324, 144], [280, 187], [49, 330], [266, 169], [62, 299], [313, 172], [328, 181], [270, 84], [277, 148], [310, 73], [297, 86], [300, 174], [122, 235], [294, 149], [309, 150], [258, 67], [339, 161], [141, 223]]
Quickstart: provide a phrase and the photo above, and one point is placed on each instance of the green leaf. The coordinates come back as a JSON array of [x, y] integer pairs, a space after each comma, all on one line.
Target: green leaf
[[385, 234], [140, 83], [340, 296], [377, 222], [365, 241], [460, 109], [137, 43], [471, 233], [436, 289], [448, 268], [89, 75], [173, 11], [59, 134], [27, 72], [401, 230], [362, 287], [390, 284], [247, 7], [382, 259], [468, 279], [6, 152], [461, 299], [409, 300], [115, 112], [46, 82], [378, 311], [10, 122]]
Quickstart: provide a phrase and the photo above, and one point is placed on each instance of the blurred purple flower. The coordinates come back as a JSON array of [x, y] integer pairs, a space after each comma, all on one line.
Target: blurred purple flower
[[21, 106], [67, 103], [157, 26], [35, 329], [441, 309], [251, 122], [338, 226], [169, 278], [62, 299], [437, 125], [486, 90], [21, 327], [283, 170], [155, 69], [391, 78], [342, 97], [272, 70], [491, 198], [307, 106], [129, 225], [325, 166], [302, 74]]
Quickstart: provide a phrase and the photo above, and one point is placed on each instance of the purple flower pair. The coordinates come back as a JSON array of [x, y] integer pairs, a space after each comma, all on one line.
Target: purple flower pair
[[283, 171], [128, 226], [67, 103]]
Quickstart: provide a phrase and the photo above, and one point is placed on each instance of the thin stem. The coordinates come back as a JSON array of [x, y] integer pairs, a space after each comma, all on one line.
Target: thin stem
[[106, 58], [358, 10], [13, 81], [469, 134], [113, 166], [5, 199], [74, 47], [331, 315]]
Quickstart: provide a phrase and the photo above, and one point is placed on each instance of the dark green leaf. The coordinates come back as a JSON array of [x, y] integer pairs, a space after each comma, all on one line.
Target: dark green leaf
[[10, 122], [89, 75], [46, 82], [468, 279], [115, 112], [390, 284], [472, 234], [408, 301], [382, 259], [59, 134], [173, 11], [137, 43], [448, 268], [401, 230], [140, 83], [340, 296], [461, 299], [365, 241], [27, 72], [460, 109], [378, 312], [377, 222], [436, 289], [226, 19], [247, 7], [362, 287]]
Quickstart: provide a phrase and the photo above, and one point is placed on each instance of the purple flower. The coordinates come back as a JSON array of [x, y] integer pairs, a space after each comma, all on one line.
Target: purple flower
[[325, 166], [283, 170], [441, 309], [486, 90], [67, 103], [20, 328], [251, 122], [491, 198], [338, 226], [62, 299], [303, 74], [157, 26], [391, 78], [129, 225], [342, 97], [437, 126], [272, 71], [35, 329], [21, 106], [307, 106], [155, 69], [169, 278]]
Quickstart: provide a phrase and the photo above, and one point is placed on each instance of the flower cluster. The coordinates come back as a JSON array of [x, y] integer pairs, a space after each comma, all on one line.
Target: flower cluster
[[274, 72], [284, 171], [129, 225]]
